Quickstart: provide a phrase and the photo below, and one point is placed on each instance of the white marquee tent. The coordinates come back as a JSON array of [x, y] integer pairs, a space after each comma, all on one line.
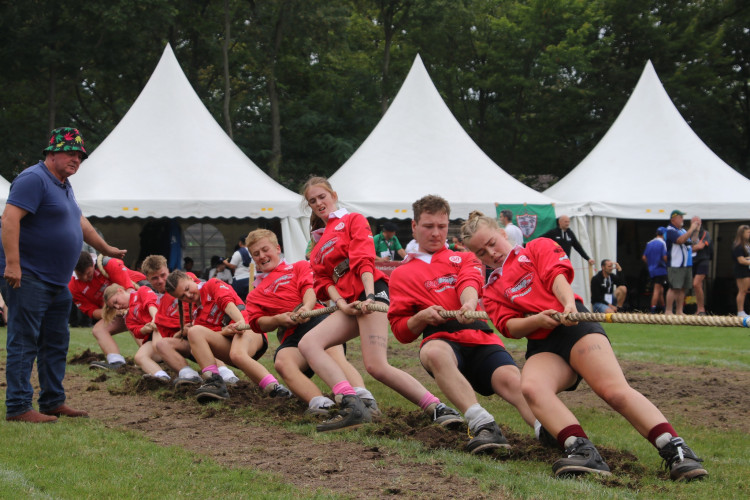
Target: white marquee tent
[[419, 148], [4, 190], [168, 157]]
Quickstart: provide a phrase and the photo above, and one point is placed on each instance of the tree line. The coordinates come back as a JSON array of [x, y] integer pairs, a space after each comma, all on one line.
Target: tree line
[[299, 84]]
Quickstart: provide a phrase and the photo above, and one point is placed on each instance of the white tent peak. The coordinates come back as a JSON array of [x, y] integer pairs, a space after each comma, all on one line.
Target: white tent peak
[[650, 162], [168, 157], [419, 148]]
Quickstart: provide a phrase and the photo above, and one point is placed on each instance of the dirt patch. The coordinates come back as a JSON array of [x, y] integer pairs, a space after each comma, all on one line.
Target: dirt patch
[[237, 433]]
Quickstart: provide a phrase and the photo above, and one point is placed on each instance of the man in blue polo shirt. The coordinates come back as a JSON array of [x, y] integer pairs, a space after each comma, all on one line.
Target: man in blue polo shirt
[[679, 259], [42, 234]]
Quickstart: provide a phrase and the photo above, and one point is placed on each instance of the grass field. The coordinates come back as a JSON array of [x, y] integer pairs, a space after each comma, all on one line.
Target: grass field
[[87, 459]]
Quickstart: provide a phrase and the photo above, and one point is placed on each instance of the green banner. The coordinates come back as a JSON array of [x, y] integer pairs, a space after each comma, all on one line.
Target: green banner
[[532, 220]]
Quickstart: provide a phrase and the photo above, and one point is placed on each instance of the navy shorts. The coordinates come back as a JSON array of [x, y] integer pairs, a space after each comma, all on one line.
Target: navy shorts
[[478, 362], [659, 280], [701, 268], [381, 293], [561, 340], [293, 339]]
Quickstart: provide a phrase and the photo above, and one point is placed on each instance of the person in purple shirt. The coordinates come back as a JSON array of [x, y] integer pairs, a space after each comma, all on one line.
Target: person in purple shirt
[[42, 208]]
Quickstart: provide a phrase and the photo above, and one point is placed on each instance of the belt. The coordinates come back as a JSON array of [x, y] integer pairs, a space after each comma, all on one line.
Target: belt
[[341, 269]]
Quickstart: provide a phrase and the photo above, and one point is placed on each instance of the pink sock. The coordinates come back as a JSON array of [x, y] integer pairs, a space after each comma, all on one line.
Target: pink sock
[[211, 368], [427, 400], [268, 379], [344, 387]]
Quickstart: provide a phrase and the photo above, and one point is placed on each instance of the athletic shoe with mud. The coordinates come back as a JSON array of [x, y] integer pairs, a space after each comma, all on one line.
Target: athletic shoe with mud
[[446, 416], [352, 413], [582, 457], [372, 407], [487, 438], [681, 462], [183, 381], [213, 389], [280, 392], [161, 380], [103, 365]]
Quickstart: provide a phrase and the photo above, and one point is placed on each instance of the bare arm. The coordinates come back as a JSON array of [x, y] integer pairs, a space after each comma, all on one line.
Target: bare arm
[[11, 232], [91, 237]]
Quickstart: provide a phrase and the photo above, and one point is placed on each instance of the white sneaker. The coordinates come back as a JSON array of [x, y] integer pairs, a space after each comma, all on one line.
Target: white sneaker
[[742, 314]]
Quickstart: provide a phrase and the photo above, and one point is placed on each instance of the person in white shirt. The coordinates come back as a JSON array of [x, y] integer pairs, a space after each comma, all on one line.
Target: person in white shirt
[[515, 236]]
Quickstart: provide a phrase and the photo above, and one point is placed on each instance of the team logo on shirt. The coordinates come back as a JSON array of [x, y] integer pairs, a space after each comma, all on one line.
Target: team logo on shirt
[[339, 226], [561, 255], [441, 284], [278, 282], [522, 287], [456, 259], [325, 250], [523, 259]]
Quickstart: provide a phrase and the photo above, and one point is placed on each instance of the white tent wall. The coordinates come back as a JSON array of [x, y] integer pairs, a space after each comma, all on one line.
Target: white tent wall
[[4, 190]]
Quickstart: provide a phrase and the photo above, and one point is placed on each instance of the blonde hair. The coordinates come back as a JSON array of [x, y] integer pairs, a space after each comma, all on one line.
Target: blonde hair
[[108, 312], [153, 263], [315, 221], [476, 221], [257, 235]]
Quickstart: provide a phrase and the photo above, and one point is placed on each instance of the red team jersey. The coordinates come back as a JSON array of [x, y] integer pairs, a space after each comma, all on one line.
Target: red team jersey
[[345, 237], [215, 296], [138, 314], [168, 316], [416, 285], [88, 296], [279, 292], [524, 284]]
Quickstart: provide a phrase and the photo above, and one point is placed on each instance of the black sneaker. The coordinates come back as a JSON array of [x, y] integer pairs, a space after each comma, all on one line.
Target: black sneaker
[[487, 438], [352, 413], [446, 416], [372, 407], [581, 458], [547, 439], [280, 392], [213, 389], [681, 462], [103, 365], [183, 381]]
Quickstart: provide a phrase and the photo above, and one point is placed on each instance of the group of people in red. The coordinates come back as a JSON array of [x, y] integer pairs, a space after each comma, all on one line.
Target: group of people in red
[[433, 294]]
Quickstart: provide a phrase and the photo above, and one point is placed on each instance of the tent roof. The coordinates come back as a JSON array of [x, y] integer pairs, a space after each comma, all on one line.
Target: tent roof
[[169, 158], [419, 148], [650, 162]]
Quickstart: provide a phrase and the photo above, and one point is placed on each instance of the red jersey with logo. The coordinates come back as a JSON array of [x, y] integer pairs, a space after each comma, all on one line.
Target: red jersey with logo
[[417, 285], [168, 315], [346, 237], [88, 296], [524, 284], [138, 315], [279, 292], [215, 297]]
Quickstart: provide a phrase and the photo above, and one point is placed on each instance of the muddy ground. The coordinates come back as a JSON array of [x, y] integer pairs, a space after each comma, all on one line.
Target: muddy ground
[[712, 397]]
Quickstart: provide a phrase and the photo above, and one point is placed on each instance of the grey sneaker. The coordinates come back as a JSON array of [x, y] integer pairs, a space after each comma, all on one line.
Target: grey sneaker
[[280, 392], [487, 438], [446, 416], [319, 411], [183, 381], [162, 380], [233, 380], [372, 407], [352, 413], [582, 457], [681, 462], [212, 389], [103, 365]]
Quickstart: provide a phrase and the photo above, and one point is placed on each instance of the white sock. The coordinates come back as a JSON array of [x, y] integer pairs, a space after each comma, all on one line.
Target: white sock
[[188, 372], [320, 402], [363, 393], [476, 417], [162, 374], [115, 358], [226, 373], [663, 440], [537, 428], [570, 441]]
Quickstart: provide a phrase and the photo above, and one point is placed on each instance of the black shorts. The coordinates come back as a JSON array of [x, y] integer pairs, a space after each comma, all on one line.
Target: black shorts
[[263, 349], [701, 267], [561, 340], [293, 339], [478, 362], [659, 280], [381, 293]]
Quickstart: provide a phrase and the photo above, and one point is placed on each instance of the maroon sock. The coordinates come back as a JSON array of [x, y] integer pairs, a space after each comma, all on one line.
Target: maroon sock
[[660, 429], [571, 430]]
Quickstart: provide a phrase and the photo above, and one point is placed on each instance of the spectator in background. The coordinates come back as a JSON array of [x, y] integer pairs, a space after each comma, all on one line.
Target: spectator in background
[[741, 255], [221, 272], [515, 236], [702, 254], [565, 237], [608, 291], [456, 245], [215, 260], [242, 266], [187, 264], [679, 259], [655, 256], [387, 245]]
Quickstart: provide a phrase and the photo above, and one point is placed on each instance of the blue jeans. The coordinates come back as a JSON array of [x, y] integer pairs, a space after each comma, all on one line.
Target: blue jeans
[[38, 315]]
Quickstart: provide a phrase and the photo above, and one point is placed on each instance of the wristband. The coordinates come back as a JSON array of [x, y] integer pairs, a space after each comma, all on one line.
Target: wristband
[[370, 296]]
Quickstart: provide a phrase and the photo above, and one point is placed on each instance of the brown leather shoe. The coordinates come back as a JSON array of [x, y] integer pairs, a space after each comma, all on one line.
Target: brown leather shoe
[[32, 417], [66, 411]]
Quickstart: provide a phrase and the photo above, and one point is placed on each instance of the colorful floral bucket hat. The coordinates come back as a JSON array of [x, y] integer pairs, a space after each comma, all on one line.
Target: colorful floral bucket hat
[[66, 139]]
